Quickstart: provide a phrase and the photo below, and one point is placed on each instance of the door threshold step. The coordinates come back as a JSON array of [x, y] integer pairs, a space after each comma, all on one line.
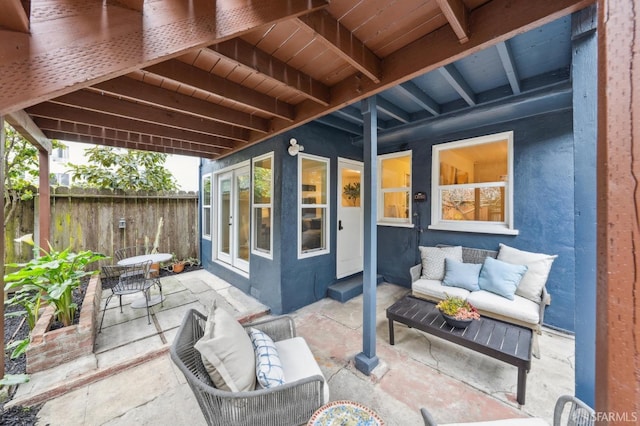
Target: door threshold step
[[349, 287]]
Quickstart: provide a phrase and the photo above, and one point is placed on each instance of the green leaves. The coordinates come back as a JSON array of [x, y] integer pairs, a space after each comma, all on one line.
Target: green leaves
[[131, 170], [50, 278], [14, 379]]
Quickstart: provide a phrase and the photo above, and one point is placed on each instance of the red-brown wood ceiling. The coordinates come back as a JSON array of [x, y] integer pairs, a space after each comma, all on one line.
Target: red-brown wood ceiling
[[210, 79]]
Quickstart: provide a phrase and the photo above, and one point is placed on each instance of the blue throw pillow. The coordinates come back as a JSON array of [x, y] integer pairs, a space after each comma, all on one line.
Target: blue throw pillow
[[500, 277], [459, 274]]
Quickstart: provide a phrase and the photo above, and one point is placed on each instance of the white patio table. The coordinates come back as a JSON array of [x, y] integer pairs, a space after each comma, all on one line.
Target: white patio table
[[154, 258]]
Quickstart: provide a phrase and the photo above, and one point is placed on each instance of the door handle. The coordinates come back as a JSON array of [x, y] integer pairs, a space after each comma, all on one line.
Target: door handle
[[340, 225]]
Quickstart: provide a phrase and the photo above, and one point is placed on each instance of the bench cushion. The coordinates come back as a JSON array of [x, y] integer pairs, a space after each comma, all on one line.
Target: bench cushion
[[433, 289], [433, 260], [538, 267], [298, 362], [519, 308]]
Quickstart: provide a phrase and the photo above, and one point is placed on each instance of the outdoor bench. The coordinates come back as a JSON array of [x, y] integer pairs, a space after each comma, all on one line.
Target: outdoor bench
[[525, 309]]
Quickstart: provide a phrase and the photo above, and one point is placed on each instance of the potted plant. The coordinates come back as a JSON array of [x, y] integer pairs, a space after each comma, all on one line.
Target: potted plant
[[457, 312]]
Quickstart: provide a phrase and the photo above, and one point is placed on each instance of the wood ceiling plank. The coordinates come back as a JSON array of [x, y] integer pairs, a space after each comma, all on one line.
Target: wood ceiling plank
[[493, 22], [203, 80], [103, 42], [133, 89], [459, 84], [62, 127], [249, 56], [75, 115], [123, 108], [154, 145], [13, 16], [24, 125], [393, 110], [338, 38], [418, 96], [457, 15]]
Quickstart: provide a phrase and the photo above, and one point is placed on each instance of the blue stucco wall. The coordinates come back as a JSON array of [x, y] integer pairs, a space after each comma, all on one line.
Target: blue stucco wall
[[544, 207], [285, 282]]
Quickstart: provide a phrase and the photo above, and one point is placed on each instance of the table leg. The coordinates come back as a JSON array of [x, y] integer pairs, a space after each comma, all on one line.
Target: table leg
[[522, 384], [391, 340]]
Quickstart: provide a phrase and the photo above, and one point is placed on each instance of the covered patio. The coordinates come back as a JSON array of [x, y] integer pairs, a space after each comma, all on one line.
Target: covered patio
[[419, 371], [213, 78]]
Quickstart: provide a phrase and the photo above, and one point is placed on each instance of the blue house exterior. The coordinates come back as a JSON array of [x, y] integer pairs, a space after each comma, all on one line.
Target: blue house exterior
[[554, 157]]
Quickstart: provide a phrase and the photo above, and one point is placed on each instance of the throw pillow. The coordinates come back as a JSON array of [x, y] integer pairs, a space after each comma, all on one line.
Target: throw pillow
[[268, 365], [500, 277], [463, 275], [227, 352], [538, 264], [433, 260]]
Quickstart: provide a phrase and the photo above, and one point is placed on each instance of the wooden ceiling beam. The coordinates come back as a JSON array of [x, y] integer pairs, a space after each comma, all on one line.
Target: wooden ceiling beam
[[509, 65], [202, 80], [123, 108], [340, 40], [196, 151], [393, 110], [457, 15], [418, 96], [261, 62], [132, 89], [459, 84], [495, 21], [339, 123], [24, 125], [131, 4], [89, 42], [13, 16], [75, 115]]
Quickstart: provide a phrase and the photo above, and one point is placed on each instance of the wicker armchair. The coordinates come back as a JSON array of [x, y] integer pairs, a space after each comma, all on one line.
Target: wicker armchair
[[290, 404], [578, 414]]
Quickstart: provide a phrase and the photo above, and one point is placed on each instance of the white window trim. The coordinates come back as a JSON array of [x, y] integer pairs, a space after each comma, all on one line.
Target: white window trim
[[209, 206], [254, 250], [386, 221], [326, 206], [504, 228]]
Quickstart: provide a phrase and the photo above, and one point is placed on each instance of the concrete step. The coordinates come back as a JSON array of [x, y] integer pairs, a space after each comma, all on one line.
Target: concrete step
[[348, 288]]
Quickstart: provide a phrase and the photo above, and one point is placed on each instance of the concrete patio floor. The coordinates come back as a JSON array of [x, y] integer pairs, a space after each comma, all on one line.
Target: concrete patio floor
[[131, 380]]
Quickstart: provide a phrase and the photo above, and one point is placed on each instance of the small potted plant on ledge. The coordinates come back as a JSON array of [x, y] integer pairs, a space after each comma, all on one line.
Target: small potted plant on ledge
[[457, 312]]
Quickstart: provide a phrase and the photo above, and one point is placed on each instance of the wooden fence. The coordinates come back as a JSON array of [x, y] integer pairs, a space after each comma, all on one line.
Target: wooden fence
[[90, 219]]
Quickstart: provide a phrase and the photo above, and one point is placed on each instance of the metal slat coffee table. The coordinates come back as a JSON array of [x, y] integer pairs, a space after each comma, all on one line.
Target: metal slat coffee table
[[500, 340]]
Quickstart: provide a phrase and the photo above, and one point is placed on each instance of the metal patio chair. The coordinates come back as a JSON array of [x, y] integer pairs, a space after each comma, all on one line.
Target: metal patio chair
[[129, 279]]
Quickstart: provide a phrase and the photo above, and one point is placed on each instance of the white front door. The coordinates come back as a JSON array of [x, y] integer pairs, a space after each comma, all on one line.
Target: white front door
[[350, 227]]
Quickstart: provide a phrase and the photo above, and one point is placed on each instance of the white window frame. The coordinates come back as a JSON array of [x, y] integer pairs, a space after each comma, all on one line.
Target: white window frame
[[255, 250], [208, 177], [325, 206], [389, 221], [437, 223]]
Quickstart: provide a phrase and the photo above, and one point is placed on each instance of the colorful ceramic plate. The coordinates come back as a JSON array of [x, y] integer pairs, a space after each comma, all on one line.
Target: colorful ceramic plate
[[345, 413]]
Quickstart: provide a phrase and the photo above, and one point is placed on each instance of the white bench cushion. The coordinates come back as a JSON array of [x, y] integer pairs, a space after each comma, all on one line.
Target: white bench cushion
[[435, 289], [519, 308], [298, 362]]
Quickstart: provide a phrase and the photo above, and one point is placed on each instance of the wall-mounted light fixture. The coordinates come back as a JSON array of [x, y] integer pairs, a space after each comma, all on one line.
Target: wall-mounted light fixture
[[294, 148], [122, 223]]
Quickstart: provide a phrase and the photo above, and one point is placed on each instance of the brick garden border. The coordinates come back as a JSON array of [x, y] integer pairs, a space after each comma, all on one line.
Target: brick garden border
[[51, 348]]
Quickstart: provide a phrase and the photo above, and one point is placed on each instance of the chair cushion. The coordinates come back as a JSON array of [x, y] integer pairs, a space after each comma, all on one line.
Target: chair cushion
[[433, 260], [538, 267], [269, 370], [500, 277], [434, 289], [463, 275], [298, 362], [519, 308], [227, 352]]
